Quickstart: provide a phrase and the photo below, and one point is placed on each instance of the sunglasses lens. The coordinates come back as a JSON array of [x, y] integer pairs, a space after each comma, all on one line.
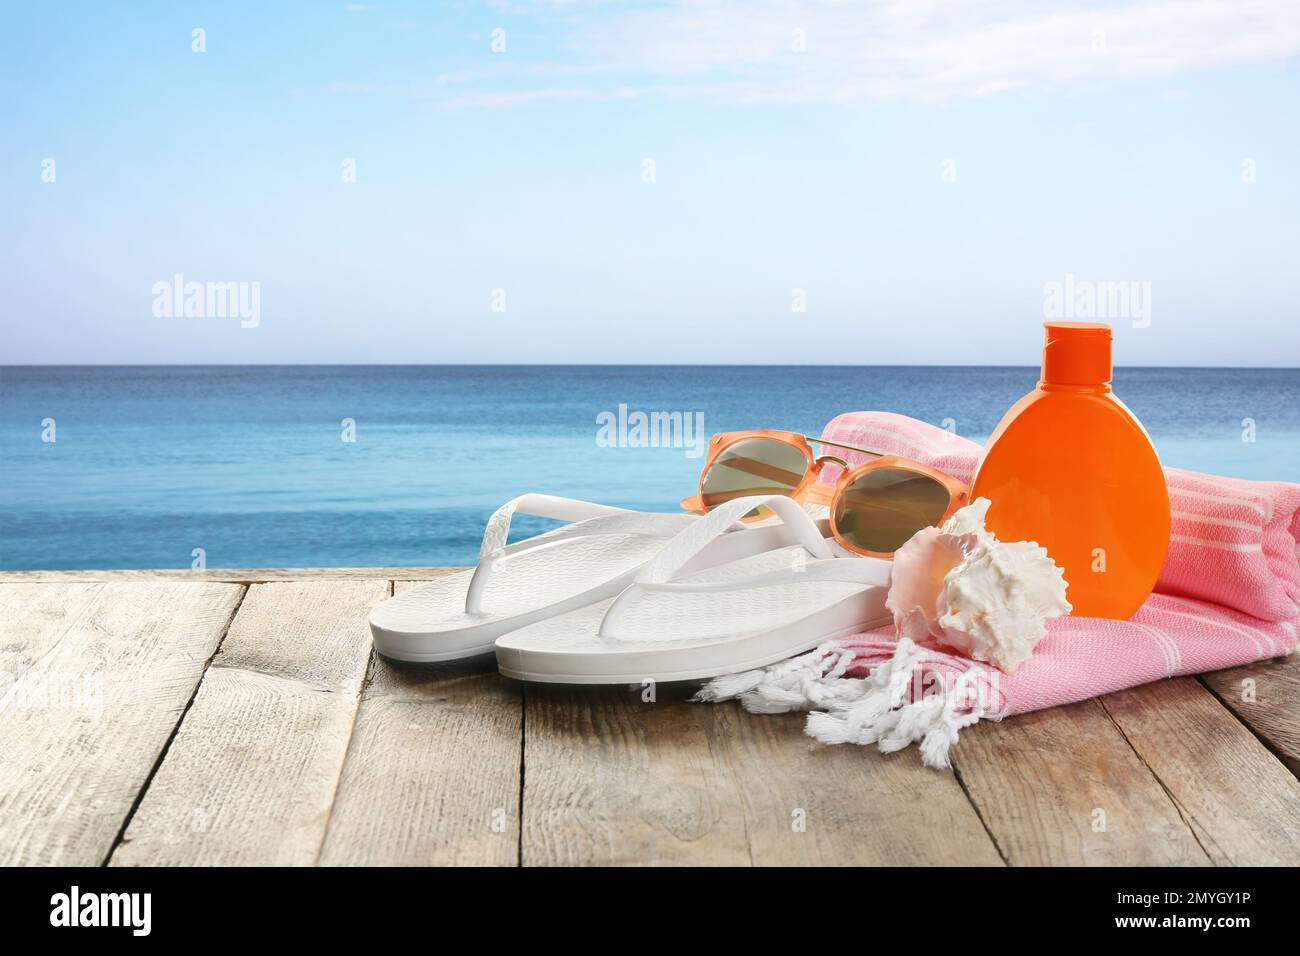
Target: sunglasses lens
[[883, 508], [753, 466]]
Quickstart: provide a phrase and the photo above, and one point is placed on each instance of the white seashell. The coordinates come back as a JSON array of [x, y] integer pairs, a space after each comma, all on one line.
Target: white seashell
[[970, 521], [917, 578], [988, 599], [997, 603]]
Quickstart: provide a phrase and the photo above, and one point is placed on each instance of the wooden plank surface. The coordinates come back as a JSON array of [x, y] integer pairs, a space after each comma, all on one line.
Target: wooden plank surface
[[1241, 802], [611, 778], [83, 725], [1063, 787], [853, 805], [290, 753], [33, 618], [230, 575], [1266, 697], [252, 772], [432, 774]]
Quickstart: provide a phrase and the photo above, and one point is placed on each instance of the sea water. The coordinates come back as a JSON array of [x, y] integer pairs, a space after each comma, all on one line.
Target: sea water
[[339, 466]]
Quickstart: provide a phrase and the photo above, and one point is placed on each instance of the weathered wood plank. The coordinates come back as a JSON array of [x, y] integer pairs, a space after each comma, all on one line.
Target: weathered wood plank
[[1241, 802], [1266, 696], [82, 726], [1063, 787], [313, 632], [612, 779], [806, 803], [33, 617], [230, 575], [251, 774], [93, 677], [432, 774]]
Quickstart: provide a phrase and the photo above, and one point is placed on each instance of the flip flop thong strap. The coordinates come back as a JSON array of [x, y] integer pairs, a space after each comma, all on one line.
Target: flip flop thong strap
[[800, 528], [497, 534]]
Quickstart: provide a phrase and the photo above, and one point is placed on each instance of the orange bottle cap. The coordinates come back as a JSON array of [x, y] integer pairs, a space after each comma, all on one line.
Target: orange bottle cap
[[1076, 353]]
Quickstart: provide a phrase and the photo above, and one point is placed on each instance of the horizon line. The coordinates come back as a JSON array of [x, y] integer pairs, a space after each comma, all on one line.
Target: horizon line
[[34, 365]]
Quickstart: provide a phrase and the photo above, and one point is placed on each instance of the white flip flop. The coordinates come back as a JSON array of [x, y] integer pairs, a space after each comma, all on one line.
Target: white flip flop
[[592, 559], [681, 620]]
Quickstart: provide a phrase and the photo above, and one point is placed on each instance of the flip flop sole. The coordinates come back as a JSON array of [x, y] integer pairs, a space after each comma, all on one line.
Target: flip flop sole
[[765, 626]]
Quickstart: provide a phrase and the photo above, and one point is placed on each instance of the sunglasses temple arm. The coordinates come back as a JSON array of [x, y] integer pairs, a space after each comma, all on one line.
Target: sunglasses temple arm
[[835, 444], [762, 470]]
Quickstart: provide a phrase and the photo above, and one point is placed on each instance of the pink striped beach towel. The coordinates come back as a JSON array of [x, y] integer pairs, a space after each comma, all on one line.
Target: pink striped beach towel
[[1229, 594]]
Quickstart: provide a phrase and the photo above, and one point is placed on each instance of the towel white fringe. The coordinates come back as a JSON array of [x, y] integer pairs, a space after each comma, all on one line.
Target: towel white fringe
[[815, 679], [860, 710]]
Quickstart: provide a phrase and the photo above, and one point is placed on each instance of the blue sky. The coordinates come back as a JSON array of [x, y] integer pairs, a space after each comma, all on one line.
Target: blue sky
[[918, 172]]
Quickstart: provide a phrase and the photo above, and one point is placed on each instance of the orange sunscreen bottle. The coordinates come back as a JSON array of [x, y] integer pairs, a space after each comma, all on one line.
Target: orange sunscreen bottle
[[1071, 468]]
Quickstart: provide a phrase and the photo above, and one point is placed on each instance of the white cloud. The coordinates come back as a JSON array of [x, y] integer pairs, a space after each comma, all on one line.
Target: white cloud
[[930, 51], [913, 50]]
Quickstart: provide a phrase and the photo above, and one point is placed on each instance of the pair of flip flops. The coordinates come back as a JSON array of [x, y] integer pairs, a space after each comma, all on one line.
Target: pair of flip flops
[[619, 596]]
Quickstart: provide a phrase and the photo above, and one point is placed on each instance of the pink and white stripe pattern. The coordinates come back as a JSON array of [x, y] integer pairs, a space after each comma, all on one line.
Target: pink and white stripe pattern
[[1229, 594], [1084, 657], [1232, 542]]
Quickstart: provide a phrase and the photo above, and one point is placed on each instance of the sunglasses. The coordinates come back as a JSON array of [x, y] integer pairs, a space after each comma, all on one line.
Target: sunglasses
[[875, 506]]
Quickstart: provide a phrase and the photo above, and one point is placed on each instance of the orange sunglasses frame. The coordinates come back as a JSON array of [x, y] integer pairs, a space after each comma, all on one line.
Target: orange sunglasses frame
[[810, 489]]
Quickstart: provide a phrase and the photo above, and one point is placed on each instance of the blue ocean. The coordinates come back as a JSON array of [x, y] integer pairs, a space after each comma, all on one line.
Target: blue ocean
[[347, 466]]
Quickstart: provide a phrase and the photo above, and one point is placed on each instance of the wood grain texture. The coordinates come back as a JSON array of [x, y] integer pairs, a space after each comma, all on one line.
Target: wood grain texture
[[252, 772], [82, 727], [1266, 697], [1063, 787], [33, 617], [230, 575], [290, 754], [612, 779], [806, 803], [432, 774], [313, 632], [1241, 802]]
